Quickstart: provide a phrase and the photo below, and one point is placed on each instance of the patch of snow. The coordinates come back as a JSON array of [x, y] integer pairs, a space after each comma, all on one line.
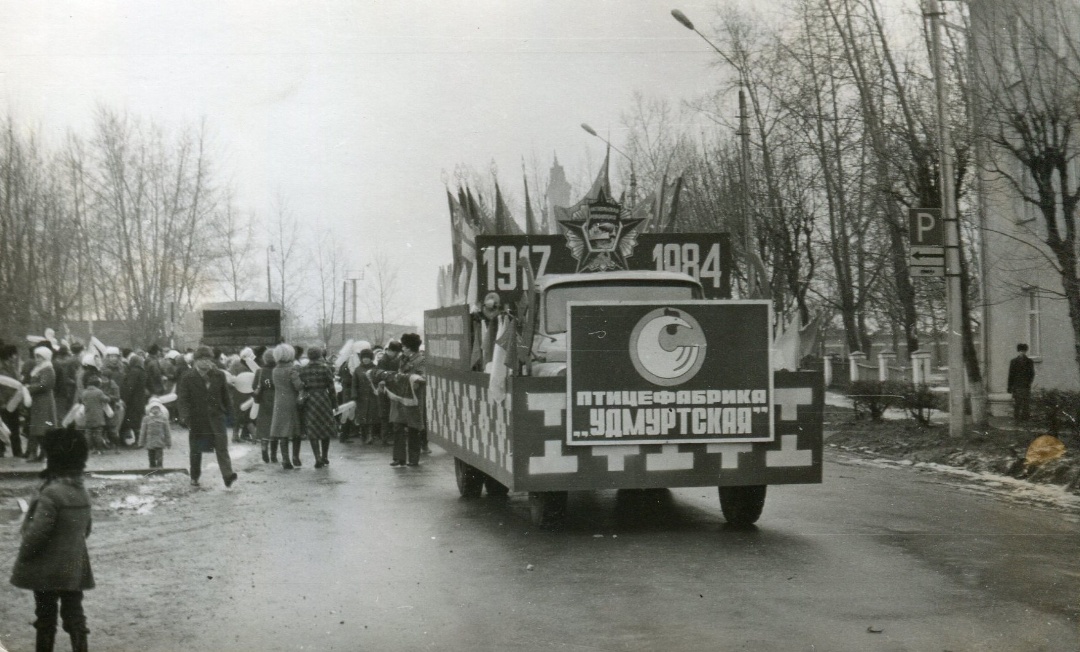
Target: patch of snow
[[993, 483]]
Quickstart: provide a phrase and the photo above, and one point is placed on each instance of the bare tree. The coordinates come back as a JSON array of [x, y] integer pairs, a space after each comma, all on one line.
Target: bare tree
[[1028, 90], [382, 294], [330, 272], [286, 260], [236, 270]]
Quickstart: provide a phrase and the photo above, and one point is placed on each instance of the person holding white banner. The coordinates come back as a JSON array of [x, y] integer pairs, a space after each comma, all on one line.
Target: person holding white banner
[[11, 397]]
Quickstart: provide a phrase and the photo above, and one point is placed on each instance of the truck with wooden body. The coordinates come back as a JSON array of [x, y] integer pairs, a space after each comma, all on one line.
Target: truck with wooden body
[[626, 374]]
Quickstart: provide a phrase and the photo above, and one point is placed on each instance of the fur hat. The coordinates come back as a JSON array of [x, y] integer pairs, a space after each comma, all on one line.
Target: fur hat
[[393, 345], [411, 341], [366, 353], [112, 350], [172, 354], [90, 360], [204, 353], [65, 451]]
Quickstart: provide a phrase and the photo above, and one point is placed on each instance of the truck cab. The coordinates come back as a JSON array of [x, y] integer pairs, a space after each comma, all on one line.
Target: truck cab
[[554, 292]]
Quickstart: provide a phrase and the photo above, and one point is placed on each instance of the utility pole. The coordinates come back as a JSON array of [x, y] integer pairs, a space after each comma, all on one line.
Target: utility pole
[[748, 220], [954, 310]]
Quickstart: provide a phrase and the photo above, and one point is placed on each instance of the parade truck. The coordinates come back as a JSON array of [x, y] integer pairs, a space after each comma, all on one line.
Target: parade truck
[[627, 371]]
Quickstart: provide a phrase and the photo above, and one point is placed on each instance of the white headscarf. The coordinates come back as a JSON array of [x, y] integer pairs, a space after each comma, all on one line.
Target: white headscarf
[[45, 353]]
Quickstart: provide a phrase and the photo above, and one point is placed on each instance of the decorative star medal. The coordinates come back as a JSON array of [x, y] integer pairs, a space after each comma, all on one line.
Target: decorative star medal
[[601, 235]]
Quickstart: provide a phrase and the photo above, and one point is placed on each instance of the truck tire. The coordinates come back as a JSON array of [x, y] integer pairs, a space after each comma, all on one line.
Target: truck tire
[[470, 481], [547, 508], [742, 505], [495, 489]]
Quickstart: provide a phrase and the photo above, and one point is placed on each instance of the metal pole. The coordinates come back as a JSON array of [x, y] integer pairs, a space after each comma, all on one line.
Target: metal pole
[[954, 311], [354, 300], [269, 298], [344, 288], [748, 221]]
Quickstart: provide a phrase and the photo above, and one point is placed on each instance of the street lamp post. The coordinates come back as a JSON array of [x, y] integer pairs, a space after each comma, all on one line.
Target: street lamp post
[[633, 176], [269, 297], [744, 154]]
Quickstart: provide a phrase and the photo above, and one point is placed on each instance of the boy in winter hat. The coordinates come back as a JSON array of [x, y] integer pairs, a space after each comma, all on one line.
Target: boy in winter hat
[[53, 560], [156, 435]]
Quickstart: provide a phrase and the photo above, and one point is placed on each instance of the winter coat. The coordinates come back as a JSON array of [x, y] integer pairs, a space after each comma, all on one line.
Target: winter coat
[[1021, 373], [287, 384], [67, 368], [155, 432], [204, 404], [53, 555], [406, 393], [264, 398], [94, 402], [135, 394], [367, 400], [155, 377], [317, 415], [43, 405]]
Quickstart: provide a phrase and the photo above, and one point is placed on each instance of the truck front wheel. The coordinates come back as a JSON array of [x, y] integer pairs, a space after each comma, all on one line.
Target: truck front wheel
[[742, 505], [470, 481], [547, 508]]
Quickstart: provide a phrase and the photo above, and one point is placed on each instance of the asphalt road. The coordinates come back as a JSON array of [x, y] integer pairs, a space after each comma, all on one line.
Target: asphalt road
[[361, 556]]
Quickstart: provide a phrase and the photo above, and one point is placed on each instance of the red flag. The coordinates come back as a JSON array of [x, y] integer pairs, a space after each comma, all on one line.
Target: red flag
[[531, 227], [505, 224], [455, 232]]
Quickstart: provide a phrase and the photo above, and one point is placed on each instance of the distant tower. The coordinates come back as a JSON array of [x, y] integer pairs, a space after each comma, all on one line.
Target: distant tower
[[558, 194]]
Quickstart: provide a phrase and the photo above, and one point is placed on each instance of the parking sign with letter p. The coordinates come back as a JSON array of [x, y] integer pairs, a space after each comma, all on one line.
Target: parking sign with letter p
[[925, 227]]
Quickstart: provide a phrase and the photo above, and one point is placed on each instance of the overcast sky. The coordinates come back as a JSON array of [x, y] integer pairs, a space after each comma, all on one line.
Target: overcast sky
[[352, 110]]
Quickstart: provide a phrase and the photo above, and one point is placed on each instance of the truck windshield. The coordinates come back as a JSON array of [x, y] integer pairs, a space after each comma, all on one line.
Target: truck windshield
[[557, 297]]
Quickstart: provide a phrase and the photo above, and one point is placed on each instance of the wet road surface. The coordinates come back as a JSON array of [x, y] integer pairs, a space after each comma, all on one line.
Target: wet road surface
[[361, 556]]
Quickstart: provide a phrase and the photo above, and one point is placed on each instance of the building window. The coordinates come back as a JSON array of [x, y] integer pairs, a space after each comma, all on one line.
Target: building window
[[1034, 330]]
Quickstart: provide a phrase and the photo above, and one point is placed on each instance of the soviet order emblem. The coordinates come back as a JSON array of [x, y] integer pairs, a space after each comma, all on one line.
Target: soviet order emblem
[[667, 347], [601, 235]]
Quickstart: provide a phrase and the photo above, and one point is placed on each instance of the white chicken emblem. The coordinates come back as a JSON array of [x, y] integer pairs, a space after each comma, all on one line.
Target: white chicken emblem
[[667, 347]]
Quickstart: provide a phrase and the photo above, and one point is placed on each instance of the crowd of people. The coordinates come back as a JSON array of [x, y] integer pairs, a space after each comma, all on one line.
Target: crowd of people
[[122, 398], [67, 402]]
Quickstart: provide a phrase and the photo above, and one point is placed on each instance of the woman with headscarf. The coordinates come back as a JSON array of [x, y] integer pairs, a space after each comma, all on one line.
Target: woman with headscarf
[[263, 396], [40, 382], [285, 425], [317, 415]]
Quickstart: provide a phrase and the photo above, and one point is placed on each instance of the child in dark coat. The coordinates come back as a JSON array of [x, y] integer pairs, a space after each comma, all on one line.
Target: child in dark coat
[[53, 561], [155, 434]]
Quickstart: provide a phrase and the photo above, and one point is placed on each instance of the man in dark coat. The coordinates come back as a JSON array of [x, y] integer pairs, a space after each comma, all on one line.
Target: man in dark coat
[[135, 394], [388, 361], [155, 377], [1021, 375], [203, 399]]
